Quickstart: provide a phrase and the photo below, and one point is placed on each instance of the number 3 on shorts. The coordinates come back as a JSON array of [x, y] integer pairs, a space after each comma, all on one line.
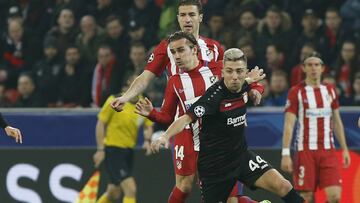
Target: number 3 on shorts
[[179, 152], [253, 165]]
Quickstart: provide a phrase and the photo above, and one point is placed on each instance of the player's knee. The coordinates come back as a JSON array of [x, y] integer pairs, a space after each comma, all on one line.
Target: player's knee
[[308, 196], [113, 193], [185, 185], [333, 198], [283, 187], [130, 190]]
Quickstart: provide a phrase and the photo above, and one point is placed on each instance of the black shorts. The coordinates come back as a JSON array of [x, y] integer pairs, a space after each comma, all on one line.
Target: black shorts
[[118, 163], [217, 191]]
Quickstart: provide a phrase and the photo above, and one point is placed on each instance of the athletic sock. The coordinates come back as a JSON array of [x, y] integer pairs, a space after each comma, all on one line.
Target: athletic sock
[[293, 197], [245, 199], [104, 199], [177, 196], [129, 200]]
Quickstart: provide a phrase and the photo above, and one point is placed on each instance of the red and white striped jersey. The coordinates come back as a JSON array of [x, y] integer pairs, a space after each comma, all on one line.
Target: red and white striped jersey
[[161, 58], [314, 109], [184, 89]]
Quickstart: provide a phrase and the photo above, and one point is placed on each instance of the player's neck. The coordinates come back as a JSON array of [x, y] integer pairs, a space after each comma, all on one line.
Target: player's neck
[[194, 64], [196, 35], [312, 82]]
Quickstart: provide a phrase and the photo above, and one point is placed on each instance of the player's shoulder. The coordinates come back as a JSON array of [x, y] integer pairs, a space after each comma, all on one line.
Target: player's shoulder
[[296, 88], [163, 44], [215, 64], [208, 40]]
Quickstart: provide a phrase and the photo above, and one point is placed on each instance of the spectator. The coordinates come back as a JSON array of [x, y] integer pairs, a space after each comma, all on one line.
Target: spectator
[[104, 9], [355, 97], [117, 38], [247, 28], [274, 29], [278, 89], [247, 46], [65, 32], [215, 29], [19, 53], [346, 65], [297, 73], [46, 73], [4, 101], [29, 98], [89, 39], [275, 59], [74, 81], [137, 59], [108, 76], [138, 33]]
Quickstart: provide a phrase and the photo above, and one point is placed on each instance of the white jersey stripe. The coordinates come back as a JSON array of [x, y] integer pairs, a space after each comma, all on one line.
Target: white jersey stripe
[[325, 94], [216, 52], [206, 74], [313, 131], [188, 87], [300, 129], [172, 62]]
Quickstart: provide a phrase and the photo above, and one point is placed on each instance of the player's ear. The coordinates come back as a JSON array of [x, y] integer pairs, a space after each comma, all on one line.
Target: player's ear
[[201, 18]]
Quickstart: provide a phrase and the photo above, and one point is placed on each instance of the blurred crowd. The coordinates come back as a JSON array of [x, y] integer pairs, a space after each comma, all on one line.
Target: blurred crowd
[[75, 53]]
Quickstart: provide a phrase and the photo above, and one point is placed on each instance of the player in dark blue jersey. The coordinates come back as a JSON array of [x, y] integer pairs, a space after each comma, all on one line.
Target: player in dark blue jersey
[[224, 157]]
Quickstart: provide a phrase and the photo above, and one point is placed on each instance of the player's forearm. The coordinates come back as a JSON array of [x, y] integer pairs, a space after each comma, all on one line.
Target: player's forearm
[[288, 130], [100, 135], [139, 85], [177, 126], [148, 131], [340, 134], [160, 117]]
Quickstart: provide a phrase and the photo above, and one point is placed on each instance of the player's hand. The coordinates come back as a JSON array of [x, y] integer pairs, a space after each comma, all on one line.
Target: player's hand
[[346, 158], [255, 75], [144, 107], [147, 147], [118, 104], [15, 133], [255, 96], [98, 157], [160, 142], [286, 164]]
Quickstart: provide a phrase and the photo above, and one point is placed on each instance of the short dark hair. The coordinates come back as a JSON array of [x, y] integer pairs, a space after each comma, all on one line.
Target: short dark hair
[[313, 54], [183, 35], [196, 3]]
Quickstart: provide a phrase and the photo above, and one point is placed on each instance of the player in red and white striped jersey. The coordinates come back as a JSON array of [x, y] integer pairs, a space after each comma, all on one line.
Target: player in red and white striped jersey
[[316, 108], [189, 19], [183, 89]]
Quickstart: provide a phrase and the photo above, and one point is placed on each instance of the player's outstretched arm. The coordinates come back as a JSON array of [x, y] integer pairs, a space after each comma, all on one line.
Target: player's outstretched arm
[[14, 132], [340, 135], [137, 87], [286, 162], [175, 128]]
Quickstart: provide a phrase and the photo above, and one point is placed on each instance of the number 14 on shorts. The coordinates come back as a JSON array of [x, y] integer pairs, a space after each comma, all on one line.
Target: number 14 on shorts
[[179, 152], [257, 163]]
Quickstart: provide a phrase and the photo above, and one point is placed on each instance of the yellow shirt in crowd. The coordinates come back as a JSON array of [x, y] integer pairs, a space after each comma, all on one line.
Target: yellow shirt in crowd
[[122, 127]]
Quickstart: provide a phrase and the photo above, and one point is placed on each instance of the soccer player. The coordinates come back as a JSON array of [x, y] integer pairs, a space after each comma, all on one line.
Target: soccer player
[[116, 136], [316, 108], [10, 131], [182, 90], [224, 157], [189, 18]]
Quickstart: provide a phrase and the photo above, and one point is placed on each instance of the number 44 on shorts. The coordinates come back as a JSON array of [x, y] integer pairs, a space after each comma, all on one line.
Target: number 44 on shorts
[[258, 163]]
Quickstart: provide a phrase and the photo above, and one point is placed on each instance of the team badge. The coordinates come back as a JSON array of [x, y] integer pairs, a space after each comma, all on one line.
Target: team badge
[[178, 164], [151, 58], [199, 111], [213, 79]]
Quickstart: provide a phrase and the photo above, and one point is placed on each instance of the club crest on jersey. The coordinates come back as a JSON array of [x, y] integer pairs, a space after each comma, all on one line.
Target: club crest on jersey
[[245, 97], [151, 58], [213, 79], [199, 111], [178, 164]]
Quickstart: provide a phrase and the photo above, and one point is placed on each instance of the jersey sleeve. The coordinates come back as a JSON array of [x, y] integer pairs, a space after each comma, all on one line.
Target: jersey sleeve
[[3, 123], [208, 104], [292, 103], [168, 109], [158, 59], [106, 111], [257, 86], [220, 50]]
